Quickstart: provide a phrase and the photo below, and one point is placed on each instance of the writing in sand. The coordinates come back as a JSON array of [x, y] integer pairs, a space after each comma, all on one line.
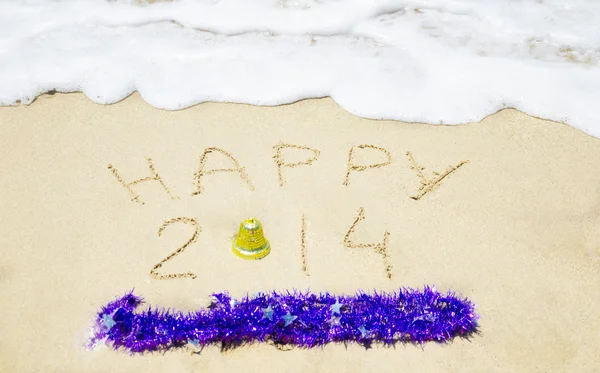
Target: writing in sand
[[428, 183]]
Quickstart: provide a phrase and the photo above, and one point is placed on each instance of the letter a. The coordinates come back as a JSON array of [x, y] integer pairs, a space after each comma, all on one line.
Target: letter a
[[202, 172]]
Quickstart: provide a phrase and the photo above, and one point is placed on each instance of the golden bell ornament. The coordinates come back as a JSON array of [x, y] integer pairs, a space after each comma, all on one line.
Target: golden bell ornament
[[251, 242]]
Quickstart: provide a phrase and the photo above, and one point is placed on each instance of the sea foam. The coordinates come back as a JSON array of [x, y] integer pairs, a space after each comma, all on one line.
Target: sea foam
[[436, 61]]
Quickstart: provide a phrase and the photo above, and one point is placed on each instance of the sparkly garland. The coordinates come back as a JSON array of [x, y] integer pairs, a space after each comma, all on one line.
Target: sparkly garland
[[289, 318]]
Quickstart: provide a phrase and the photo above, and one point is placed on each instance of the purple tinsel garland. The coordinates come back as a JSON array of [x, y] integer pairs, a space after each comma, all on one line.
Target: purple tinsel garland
[[290, 318]]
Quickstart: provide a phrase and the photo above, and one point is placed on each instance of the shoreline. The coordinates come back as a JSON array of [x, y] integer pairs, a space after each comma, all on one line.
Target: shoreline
[[136, 94]]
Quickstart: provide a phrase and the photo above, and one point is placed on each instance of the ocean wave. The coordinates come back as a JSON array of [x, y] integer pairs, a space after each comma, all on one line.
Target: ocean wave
[[444, 61]]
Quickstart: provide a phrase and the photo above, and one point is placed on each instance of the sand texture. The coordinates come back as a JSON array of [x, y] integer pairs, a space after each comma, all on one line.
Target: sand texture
[[505, 211]]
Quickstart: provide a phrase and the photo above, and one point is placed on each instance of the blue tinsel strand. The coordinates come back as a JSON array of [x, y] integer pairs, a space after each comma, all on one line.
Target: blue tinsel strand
[[290, 318]]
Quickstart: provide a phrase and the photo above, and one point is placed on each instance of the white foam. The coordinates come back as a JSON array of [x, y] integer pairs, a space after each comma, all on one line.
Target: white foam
[[444, 61]]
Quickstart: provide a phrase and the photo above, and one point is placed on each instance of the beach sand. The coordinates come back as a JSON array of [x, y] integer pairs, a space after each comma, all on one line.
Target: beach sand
[[514, 226]]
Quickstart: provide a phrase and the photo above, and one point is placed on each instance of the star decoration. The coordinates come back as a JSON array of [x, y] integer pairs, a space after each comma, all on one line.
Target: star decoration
[[429, 317], [288, 318], [196, 346], [267, 313], [335, 308], [335, 320], [364, 331], [108, 321], [426, 317]]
